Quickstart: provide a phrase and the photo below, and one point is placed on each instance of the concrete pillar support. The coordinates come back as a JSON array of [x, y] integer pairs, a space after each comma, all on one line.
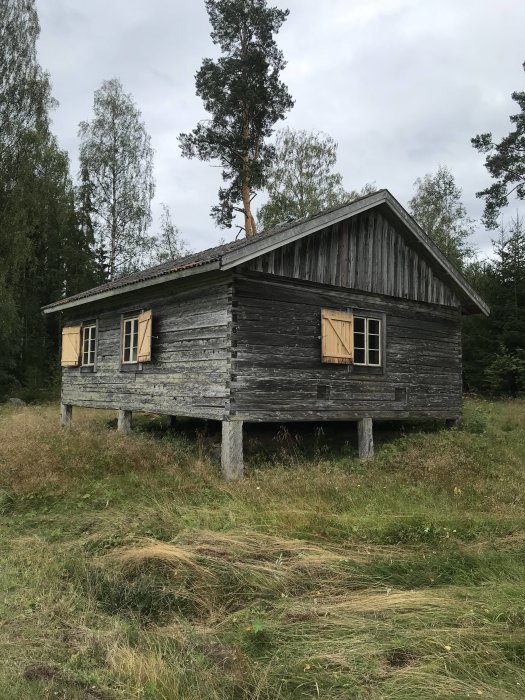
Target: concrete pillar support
[[365, 438], [231, 450], [66, 414], [124, 421]]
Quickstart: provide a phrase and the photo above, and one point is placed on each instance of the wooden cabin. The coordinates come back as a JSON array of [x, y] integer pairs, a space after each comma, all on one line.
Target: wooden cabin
[[350, 315]]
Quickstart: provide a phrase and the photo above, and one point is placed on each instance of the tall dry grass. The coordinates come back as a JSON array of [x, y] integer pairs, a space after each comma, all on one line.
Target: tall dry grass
[[130, 570]]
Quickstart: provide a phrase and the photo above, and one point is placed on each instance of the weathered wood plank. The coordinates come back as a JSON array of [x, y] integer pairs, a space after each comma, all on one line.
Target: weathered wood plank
[[367, 253], [277, 367]]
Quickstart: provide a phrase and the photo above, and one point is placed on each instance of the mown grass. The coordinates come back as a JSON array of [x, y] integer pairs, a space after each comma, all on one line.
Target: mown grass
[[130, 570]]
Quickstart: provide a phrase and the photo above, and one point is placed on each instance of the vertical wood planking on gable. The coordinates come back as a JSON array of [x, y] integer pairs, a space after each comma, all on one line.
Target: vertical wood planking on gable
[[352, 252], [334, 270], [343, 256], [366, 253]]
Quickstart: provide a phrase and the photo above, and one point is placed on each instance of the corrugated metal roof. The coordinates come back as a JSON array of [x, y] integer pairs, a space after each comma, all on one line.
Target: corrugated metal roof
[[185, 263]]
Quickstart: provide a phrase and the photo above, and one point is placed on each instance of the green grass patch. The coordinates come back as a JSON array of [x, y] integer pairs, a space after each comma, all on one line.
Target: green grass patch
[[130, 570]]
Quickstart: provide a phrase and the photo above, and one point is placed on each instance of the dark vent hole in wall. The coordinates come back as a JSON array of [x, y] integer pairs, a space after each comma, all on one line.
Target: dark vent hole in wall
[[401, 394], [323, 391]]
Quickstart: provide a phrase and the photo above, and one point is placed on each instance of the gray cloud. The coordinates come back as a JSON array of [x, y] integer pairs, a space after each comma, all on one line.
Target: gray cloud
[[401, 84]]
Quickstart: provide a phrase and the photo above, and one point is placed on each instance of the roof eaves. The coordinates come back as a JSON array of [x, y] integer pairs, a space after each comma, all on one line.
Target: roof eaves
[[132, 286], [428, 244]]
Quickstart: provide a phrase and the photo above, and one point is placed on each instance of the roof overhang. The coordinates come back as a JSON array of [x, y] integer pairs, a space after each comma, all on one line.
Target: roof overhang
[[132, 287], [260, 245], [473, 302]]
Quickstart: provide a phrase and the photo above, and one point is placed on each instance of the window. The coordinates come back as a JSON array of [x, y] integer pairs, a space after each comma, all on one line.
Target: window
[[367, 341], [130, 336], [89, 345]]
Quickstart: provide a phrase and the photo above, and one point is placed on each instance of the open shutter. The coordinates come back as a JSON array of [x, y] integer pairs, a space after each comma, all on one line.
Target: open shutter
[[71, 346], [337, 337], [144, 339]]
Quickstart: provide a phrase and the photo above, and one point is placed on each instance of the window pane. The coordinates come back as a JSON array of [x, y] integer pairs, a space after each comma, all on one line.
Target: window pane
[[359, 357], [373, 342], [130, 339], [373, 326], [359, 324], [359, 340], [373, 357]]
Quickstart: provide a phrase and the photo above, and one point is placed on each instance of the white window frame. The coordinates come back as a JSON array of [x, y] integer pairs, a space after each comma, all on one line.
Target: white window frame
[[89, 330], [133, 323], [367, 335]]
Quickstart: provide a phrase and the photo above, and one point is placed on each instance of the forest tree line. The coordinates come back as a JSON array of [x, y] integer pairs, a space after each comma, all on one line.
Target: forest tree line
[[62, 233]]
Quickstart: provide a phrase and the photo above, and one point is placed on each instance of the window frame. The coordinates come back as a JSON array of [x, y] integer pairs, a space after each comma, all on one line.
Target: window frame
[[91, 327], [91, 367], [133, 319], [367, 317]]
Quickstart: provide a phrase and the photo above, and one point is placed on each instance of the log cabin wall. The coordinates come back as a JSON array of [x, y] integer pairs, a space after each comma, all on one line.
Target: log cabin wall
[[366, 252], [277, 373], [190, 367]]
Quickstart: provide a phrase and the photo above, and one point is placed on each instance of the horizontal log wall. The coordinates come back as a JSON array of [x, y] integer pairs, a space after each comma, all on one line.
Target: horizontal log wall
[[277, 372], [190, 368], [365, 252]]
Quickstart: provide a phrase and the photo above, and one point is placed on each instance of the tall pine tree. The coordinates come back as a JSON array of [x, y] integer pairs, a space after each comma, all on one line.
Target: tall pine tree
[[505, 163], [245, 97]]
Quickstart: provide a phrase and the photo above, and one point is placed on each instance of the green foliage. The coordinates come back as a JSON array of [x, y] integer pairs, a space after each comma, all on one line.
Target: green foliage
[[505, 163], [401, 580], [300, 180], [493, 346], [169, 245], [438, 209], [44, 253], [117, 185], [245, 97], [506, 373]]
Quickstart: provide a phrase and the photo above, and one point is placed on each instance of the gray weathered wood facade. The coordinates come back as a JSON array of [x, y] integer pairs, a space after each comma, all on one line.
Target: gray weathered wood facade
[[237, 329]]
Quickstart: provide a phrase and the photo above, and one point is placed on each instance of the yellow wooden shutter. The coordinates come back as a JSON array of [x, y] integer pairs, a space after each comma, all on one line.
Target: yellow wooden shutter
[[144, 340], [337, 337], [71, 346]]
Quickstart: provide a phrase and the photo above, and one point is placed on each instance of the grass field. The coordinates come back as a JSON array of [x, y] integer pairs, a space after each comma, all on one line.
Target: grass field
[[129, 570]]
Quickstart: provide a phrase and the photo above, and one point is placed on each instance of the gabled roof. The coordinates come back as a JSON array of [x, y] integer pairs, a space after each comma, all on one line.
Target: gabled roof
[[226, 256]]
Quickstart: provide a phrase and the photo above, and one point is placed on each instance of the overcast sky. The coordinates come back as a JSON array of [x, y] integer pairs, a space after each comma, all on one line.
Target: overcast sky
[[402, 85]]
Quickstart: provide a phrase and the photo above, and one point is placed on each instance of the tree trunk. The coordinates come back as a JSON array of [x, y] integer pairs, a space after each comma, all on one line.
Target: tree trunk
[[249, 221]]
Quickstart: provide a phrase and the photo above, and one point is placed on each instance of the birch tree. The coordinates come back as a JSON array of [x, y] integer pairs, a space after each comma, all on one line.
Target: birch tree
[[116, 165], [302, 180], [438, 209]]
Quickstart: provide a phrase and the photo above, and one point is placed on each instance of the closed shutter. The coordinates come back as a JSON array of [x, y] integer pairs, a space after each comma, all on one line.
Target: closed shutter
[[144, 339], [337, 337], [70, 346]]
